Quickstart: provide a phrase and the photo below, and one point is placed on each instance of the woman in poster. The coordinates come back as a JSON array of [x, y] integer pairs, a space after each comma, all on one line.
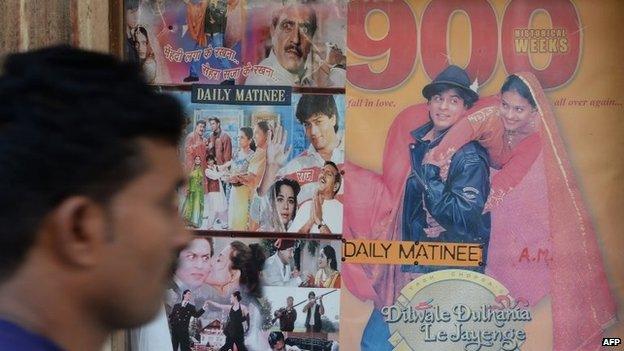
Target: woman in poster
[[234, 329], [275, 211], [237, 268], [327, 275], [539, 185], [240, 194], [145, 54], [193, 207]]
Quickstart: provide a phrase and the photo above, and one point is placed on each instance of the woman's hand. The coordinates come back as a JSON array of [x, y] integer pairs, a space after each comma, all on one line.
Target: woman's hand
[[277, 152]]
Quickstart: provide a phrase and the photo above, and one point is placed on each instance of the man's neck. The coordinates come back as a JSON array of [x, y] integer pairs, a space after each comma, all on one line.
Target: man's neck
[[282, 259], [50, 310], [328, 195], [328, 151]]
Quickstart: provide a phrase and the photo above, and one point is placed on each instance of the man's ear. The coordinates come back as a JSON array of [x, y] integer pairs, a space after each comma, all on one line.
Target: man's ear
[[76, 231]]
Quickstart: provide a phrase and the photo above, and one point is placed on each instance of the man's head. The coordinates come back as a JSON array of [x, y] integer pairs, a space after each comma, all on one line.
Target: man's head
[[276, 341], [329, 180], [187, 295], [200, 127], [103, 222], [194, 262], [319, 116], [292, 29], [215, 124], [449, 97], [311, 295], [132, 13], [285, 249], [290, 301]]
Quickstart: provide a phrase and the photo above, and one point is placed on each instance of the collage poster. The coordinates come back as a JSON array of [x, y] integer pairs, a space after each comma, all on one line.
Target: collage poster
[[389, 175]]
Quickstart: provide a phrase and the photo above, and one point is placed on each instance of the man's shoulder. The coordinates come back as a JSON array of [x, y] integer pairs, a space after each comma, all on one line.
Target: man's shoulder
[[472, 151], [14, 337]]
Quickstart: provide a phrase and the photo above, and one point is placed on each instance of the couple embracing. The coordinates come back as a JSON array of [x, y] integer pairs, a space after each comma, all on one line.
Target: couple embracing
[[489, 171]]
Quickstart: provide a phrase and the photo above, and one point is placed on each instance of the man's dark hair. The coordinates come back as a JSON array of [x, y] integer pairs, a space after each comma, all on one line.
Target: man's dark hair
[[71, 122], [338, 178], [311, 294], [131, 4], [216, 119], [201, 121], [185, 291], [439, 88], [312, 104]]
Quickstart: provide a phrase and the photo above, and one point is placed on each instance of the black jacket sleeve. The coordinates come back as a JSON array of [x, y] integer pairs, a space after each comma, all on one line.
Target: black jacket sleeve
[[458, 203]]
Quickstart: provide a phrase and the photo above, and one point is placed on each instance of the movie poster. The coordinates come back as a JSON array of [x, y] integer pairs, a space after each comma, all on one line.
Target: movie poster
[[262, 159], [250, 42], [465, 224], [254, 293]]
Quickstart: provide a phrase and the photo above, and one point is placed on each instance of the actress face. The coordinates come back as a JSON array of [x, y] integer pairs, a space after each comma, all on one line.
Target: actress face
[[220, 273], [243, 141], [286, 203], [322, 260], [516, 112]]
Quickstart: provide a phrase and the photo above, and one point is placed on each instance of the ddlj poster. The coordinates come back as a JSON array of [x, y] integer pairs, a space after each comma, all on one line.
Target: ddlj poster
[[479, 138]]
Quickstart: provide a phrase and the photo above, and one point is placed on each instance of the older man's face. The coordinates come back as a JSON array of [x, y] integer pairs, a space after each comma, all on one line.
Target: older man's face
[[292, 37]]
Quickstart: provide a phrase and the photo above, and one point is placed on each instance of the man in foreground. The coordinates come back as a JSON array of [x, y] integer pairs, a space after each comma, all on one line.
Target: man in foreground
[[89, 226]]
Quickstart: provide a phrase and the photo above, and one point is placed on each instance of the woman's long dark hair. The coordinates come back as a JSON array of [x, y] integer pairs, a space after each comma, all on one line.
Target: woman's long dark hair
[[330, 253], [250, 261], [249, 134]]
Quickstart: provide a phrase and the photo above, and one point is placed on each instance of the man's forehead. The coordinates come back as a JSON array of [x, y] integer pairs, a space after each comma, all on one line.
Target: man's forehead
[[317, 117], [330, 168], [450, 93], [301, 14]]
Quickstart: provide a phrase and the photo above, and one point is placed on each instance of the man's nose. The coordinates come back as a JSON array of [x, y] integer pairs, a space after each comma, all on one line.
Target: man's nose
[[182, 236], [295, 36], [444, 104], [314, 130]]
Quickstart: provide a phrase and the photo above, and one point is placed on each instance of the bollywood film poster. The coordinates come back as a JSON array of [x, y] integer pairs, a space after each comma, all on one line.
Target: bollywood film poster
[[253, 42], [481, 139], [262, 159], [250, 293]]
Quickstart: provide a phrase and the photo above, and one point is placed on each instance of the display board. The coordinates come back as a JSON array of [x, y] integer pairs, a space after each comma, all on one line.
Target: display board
[[456, 196]]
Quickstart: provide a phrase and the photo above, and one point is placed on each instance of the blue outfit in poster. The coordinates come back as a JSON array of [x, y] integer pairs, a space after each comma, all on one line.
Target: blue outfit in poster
[[456, 205]]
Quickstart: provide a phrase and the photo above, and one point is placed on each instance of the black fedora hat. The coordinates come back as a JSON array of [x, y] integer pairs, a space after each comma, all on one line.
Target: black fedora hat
[[451, 75]]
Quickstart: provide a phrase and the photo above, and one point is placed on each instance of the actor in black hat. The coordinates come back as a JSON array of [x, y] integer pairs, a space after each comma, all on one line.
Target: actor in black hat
[[448, 210]]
